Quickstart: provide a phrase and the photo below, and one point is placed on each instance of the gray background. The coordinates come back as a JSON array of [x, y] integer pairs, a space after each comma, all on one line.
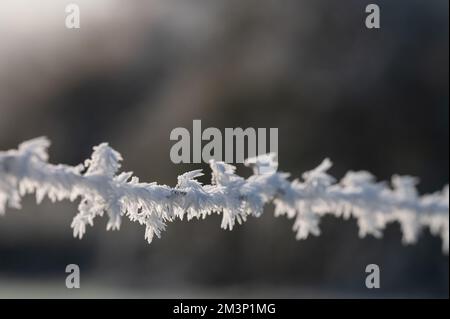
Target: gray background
[[368, 99]]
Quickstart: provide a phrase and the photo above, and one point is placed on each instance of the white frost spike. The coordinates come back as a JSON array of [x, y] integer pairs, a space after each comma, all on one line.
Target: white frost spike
[[36, 148], [104, 161], [102, 188], [318, 176], [263, 164], [188, 179]]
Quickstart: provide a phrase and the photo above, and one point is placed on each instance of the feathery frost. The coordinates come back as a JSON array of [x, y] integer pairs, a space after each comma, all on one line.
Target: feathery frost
[[100, 188]]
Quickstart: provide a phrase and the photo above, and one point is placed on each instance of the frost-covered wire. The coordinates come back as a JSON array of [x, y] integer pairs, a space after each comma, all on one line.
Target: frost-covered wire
[[101, 188]]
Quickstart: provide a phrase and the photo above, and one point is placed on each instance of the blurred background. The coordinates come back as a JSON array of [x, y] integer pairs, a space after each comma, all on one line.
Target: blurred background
[[369, 99]]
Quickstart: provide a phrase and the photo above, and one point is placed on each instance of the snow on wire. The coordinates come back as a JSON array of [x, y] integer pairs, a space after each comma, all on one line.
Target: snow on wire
[[101, 188]]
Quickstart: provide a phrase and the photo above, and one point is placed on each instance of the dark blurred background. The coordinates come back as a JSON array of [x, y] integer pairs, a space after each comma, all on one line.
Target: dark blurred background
[[369, 99]]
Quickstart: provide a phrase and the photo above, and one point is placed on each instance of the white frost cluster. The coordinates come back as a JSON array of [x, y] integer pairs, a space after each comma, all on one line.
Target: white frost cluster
[[101, 188]]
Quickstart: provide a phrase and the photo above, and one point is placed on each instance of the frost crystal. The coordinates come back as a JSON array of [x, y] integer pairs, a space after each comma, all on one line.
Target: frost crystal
[[100, 188]]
